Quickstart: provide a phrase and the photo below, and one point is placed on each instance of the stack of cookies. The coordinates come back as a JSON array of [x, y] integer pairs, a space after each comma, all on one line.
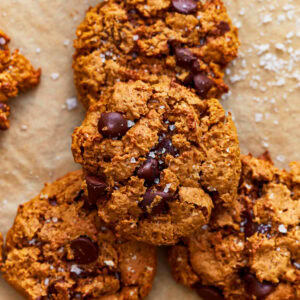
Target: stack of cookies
[[161, 166]]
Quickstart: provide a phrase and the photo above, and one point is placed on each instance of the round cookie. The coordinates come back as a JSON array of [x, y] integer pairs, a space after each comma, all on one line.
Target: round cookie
[[142, 39], [161, 156], [59, 249], [251, 251]]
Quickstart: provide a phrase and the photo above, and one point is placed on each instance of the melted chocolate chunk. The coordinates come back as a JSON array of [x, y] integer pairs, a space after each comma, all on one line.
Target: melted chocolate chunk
[[185, 58], [52, 201], [112, 125], [149, 170], [250, 227], [85, 250], [149, 197], [256, 288], [223, 27], [184, 6], [209, 293], [96, 188], [165, 146], [202, 85]]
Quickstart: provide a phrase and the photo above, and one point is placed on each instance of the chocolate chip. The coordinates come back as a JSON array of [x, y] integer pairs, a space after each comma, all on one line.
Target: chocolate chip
[[188, 81], [52, 201], [150, 195], [202, 84], [112, 125], [184, 6], [256, 288], [250, 227], [209, 293], [184, 58], [149, 170], [223, 27], [165, 146], [85, 250], [96, 188]]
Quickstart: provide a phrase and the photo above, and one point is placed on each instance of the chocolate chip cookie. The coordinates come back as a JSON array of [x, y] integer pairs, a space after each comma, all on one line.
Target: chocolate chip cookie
[[141, 39], [251, 251], [156, 159], [59, 249], [16, 75]]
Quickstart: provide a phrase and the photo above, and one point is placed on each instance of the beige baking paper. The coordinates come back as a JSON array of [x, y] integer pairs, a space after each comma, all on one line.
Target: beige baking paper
[[264, 99]]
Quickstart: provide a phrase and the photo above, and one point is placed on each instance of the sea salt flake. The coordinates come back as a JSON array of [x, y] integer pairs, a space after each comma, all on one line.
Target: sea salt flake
[[130, 123], [167, 187], [296, 264], [152, 154], [280, 158], [267, 19], [133, 160], [55, 76], [282, 228], [75, 269], [109, 263], [258, 117], [71, 103], [46, 281], [66, 42]]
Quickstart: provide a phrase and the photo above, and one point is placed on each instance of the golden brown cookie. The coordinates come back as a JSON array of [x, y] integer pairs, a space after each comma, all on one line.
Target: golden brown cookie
[[161, 156], [253, 250], [16, 75], [141, 40], [59, 249]]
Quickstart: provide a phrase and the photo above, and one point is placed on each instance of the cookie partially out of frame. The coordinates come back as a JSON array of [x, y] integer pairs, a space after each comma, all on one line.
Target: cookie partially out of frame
[[161, 156], [141, 39], [59, 249], [253, 250], [16, 75]]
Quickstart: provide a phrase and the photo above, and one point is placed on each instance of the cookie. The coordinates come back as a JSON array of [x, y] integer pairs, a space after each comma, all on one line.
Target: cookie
[[16, 75], [161, 156], [59, 249], [251, 251], [140, 40]]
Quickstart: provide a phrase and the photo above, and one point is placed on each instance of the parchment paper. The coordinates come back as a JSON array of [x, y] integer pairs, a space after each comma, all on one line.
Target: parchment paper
[[264, 99]]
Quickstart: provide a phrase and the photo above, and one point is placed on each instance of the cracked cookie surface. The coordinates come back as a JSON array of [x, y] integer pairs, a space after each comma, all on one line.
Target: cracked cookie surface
[[142, 39], [59, 249], [161, 156], [16, 75], [253, 250]]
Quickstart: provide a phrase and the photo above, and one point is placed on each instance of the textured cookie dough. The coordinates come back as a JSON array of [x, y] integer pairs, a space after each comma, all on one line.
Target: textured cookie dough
[[59, 249], [253, 250], [140, 39], [161, 156], [16, 75]]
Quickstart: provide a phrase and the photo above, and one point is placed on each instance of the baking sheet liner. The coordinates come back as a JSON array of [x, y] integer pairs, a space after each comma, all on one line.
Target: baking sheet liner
[[264, 100]]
